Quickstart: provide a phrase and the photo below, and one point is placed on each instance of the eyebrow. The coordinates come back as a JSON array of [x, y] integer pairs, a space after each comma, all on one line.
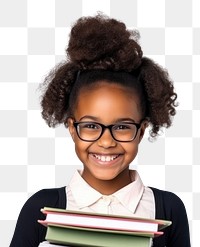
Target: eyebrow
[[116, 121]]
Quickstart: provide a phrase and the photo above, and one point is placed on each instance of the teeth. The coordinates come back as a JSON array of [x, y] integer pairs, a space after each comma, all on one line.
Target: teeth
[[105, 158]]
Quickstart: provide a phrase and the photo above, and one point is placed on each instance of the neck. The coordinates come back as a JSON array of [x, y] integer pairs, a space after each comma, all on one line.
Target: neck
[[108, 187]]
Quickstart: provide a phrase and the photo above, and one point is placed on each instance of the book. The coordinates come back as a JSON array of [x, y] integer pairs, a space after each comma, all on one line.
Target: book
[[101, 221], [77, 236], [48, 244], [75, 228]]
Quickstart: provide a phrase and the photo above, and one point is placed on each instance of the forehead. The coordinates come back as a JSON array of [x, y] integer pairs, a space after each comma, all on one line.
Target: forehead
[[106, 87], [107, 100]]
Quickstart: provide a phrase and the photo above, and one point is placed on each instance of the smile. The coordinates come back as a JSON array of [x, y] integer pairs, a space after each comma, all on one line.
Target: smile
[[106, 158]]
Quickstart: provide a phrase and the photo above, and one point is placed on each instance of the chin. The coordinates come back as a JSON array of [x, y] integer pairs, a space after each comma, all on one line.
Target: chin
[[106, 177]]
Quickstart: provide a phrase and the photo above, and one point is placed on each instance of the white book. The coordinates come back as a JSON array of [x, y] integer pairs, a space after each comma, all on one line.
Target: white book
[[101, 221], [47, 244]]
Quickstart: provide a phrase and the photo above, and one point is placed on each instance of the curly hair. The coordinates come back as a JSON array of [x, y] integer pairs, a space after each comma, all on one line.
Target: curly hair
[[101, 48]]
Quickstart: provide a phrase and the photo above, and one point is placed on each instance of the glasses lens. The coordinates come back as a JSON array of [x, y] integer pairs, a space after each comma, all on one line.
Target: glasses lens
[[124, 131], [89, 131]]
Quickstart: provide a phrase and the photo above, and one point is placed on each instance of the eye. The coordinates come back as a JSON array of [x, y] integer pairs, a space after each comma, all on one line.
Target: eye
[[122, 127], [89, 126]]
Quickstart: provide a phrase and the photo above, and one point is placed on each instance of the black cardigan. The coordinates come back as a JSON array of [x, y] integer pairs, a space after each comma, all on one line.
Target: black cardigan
[[29, 233]]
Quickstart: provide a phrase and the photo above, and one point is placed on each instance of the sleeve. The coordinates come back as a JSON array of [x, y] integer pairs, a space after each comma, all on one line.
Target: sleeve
[[178, 232], [28, 232]]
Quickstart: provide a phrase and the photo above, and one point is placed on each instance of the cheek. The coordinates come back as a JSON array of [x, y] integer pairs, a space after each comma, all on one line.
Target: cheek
[[80, 146], [131, 150], [79, 149]]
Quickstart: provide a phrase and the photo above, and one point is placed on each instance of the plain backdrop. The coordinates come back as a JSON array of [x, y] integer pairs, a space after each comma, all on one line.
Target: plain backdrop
[[33, 38]]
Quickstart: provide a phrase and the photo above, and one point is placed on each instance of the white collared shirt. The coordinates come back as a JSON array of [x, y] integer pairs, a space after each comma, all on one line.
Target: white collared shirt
[[133, 199]]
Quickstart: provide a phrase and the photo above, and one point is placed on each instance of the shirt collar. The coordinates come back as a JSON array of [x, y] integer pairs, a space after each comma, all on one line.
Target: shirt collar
[[87, 196], [129, 196]]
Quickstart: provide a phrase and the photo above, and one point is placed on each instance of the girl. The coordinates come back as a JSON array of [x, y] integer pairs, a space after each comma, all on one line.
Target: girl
[[107, 93]]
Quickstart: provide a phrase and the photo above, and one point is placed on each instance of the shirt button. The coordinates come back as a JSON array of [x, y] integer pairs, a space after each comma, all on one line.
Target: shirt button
[[107, 200]]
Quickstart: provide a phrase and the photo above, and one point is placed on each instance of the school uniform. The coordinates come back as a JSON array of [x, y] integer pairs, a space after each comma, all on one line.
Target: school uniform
[[134, 199]]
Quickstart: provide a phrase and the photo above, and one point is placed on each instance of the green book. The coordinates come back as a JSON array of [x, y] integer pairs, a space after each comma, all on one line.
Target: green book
[[77, 236]]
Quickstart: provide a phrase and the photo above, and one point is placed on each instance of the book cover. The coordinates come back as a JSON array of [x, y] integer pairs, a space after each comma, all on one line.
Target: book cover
[[101, 221], [48, 244], [76, 236]]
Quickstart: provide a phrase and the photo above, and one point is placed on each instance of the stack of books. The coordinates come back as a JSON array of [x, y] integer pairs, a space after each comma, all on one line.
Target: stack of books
[[75, 228]]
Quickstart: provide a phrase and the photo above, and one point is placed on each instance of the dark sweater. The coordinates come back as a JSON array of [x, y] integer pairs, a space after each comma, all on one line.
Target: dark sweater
[[29, 233]]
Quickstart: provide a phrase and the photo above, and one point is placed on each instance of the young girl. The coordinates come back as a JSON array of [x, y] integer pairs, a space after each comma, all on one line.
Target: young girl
[[107, 93]]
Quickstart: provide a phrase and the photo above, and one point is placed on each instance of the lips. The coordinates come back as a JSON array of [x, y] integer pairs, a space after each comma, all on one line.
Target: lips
[[106, 158]]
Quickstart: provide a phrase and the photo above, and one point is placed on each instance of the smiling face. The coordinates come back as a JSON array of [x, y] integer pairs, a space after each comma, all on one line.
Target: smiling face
[[106, 161]]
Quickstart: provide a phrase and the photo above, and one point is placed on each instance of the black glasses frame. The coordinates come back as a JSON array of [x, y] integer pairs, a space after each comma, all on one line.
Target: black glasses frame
[[104, 127]]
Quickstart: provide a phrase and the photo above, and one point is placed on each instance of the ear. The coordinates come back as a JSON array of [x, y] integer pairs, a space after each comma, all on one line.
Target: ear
[[145, 124], [71, 127]]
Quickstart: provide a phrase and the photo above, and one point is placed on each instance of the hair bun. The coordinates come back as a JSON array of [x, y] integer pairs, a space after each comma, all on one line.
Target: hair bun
[[102, 42]]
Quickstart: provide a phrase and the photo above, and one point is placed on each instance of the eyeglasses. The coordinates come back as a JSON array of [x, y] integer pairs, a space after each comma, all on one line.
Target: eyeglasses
[[121, 132]]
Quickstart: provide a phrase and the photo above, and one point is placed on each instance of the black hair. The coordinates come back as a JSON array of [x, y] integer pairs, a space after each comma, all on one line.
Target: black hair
[[91, 78], [101, 48]]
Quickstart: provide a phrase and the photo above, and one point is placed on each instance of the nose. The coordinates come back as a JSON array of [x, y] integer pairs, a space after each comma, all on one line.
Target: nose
[[106, 140]]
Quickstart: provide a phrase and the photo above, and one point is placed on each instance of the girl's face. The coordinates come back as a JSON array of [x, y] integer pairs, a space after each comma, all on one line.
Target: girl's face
[[106, 161]]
